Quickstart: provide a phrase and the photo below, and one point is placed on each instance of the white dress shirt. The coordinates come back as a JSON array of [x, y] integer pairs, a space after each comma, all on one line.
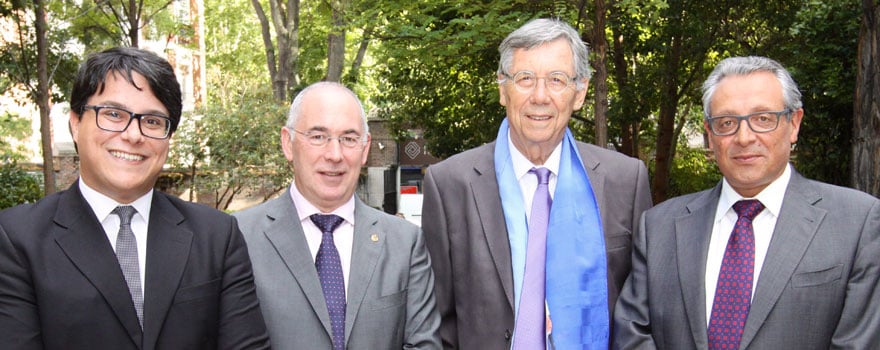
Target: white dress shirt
[[343, 237], [763, 224], [103, 207]]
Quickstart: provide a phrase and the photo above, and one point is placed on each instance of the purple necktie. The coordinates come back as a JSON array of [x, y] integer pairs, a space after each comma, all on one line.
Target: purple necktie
[[733, 294], [531, 321], [330, 273], [127, 255]]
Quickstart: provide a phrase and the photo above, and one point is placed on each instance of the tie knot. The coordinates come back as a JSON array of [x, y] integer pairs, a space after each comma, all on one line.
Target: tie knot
[[326, 223], [543, 175], [748, 209], [125, 212]]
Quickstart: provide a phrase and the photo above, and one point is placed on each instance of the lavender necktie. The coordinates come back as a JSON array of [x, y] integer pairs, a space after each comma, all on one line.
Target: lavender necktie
[[127, 254], [330, 273], [531, 319], [733, 294]]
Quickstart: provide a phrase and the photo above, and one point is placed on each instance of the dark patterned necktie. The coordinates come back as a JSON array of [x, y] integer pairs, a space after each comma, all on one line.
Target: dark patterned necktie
[[530, 331], [733, 294], [330, 273], [127, 254]]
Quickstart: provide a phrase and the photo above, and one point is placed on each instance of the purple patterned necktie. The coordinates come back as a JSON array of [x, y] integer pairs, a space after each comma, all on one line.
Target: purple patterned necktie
[[733, 294], [330, 273], [529, 332], [127, 255]]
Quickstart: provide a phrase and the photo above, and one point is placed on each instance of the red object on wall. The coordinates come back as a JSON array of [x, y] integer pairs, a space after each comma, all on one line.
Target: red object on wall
[[409, 189]]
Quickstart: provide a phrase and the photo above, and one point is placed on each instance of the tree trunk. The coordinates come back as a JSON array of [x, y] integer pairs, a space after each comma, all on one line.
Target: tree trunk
[[359, 57], [43, 98], [197, 16], [666, 141], [336, 42], [600, 77], [133, 19], [866, 118]]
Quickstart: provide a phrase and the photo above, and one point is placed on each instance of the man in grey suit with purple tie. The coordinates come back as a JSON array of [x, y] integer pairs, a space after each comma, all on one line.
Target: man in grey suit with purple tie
[[332, 272], [767, 259]]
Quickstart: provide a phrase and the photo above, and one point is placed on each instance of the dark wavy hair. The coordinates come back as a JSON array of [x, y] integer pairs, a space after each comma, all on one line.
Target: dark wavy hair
[[92, 74]]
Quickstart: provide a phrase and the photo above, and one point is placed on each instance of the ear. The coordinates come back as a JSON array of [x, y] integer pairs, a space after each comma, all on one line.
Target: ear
[[502, 93], [709, 134], [796, 118], [581, 95], [287, 144], [366, 149], [73, 125]]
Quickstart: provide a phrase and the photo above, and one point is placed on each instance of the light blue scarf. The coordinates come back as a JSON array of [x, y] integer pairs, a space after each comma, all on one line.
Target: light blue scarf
[[576, 282]]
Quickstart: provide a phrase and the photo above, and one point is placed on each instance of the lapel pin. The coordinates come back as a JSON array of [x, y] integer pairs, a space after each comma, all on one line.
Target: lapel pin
[[374, 237]]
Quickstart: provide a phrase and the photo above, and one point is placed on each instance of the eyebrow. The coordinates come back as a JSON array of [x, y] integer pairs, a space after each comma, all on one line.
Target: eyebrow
[[325, 130]]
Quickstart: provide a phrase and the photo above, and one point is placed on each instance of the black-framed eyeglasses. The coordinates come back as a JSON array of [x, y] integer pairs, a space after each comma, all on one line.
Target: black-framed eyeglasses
[[526, 81], [116, 119], [321, 139], [759, 122]]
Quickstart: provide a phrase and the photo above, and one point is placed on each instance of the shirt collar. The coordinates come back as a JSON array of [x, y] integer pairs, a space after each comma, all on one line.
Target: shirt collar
[[771, 197], [304, 208], [522, 165], [103, 205]]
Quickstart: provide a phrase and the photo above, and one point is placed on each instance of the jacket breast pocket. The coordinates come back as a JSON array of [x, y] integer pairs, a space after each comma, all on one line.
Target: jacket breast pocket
[[199, 291], [388, 301], [816, 278]]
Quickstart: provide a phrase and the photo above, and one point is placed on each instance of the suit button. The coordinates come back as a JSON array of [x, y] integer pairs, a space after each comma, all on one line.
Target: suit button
[[507, 334]]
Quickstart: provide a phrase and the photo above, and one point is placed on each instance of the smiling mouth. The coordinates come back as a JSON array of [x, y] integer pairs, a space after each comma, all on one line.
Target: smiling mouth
[[126, 156], [539, 117]]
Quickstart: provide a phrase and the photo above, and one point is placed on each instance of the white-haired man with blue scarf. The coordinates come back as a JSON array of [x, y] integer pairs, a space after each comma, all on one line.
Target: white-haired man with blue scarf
[[530, 235]]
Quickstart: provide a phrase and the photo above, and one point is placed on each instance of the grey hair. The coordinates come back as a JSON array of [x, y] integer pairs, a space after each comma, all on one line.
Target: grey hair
[[296, 106], [541, 31], [738, 66]]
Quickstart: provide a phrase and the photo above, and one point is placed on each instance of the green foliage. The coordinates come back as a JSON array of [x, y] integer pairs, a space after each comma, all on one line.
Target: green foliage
[[693, 170], [438, 70], [229, 148], [13, 128], [17, 186], [823, 60]]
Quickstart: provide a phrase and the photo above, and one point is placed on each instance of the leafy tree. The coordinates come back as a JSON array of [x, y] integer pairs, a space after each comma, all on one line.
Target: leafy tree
[[17, 186]]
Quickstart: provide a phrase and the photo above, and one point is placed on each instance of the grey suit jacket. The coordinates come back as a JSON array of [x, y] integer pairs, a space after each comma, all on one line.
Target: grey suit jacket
[[390, 299], [467, 237], [817, 289], [61, 286]]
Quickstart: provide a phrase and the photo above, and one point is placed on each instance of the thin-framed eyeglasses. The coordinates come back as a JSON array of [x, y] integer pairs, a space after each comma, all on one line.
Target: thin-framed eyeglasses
[[759, 122], [115, 119], [321, 139], [526, 81]]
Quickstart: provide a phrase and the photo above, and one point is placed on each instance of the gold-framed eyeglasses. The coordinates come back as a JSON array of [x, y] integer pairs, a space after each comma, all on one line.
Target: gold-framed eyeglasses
[[321, 139], [759, 122], [115, 119], [526, 81]]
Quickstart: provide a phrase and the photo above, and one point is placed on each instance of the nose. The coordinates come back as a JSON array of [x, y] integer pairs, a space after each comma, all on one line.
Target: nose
[[333, 150], [132, 132], [744, 135], [540, 95]]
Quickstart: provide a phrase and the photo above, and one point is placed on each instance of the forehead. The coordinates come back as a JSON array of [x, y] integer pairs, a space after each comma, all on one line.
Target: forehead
[[746, 93], [330, 108], [552, 56]]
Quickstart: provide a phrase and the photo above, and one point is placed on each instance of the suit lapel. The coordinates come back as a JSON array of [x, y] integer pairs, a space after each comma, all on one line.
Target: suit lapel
[[168, 247], [597, 183], [692, 234], [284, 231], [484, 188], [797, 224], [81, 237], [364, 257]]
